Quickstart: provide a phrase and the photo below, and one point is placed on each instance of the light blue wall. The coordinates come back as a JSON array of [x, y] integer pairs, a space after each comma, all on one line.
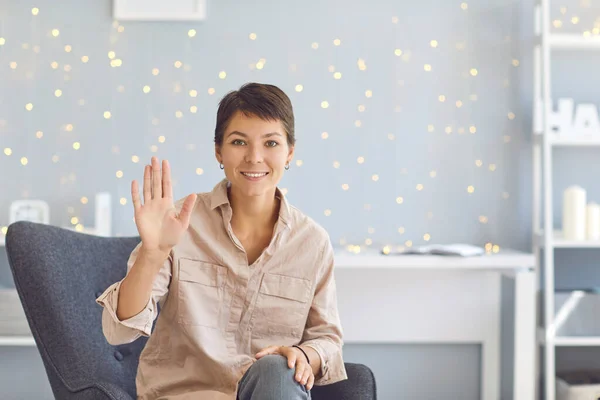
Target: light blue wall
[[404, 102], [487, 36]]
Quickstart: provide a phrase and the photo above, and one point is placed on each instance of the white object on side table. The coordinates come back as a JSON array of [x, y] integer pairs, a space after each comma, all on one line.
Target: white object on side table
[[29, 210], [38, 211], [442, 299], [103, 217], [159, 10], [103, 211]]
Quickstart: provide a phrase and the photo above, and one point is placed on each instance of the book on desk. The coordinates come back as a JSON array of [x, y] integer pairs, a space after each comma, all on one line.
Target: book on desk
[[456, 249]]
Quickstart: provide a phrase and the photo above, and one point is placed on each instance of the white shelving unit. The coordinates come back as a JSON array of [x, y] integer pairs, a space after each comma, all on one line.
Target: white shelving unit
[[547, 241], [14, 330]]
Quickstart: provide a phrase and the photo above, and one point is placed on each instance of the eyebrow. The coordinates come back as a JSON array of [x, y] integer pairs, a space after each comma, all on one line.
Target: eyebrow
[[266, 135]]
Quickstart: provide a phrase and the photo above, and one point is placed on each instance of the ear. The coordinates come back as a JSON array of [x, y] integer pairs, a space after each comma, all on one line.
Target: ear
[[291, 154], [218, 155]]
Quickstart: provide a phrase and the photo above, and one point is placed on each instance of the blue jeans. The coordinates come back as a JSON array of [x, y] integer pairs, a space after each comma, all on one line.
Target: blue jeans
[[270, 378]]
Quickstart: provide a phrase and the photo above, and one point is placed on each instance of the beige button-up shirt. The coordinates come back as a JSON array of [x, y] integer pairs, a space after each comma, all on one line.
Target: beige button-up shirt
[[217, 312]]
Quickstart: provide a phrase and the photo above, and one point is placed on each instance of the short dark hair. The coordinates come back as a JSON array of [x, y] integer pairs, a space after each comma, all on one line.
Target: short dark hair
[[264, 101]]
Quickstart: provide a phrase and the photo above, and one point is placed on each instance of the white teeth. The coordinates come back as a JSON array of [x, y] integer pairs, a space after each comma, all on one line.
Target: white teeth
[[254, 175]]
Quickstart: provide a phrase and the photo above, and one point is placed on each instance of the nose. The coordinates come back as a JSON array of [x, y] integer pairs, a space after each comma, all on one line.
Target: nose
[[253, 154]]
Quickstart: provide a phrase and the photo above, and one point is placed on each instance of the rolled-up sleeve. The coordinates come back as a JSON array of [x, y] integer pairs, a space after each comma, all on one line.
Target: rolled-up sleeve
[[323, 331], [126, 331]]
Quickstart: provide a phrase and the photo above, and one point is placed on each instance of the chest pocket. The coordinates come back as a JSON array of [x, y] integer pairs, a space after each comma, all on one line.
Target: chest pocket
[[200, 292], [282, 305]]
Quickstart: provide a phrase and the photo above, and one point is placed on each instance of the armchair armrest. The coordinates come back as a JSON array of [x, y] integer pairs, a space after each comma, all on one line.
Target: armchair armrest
[[104, 391], [360, 385]]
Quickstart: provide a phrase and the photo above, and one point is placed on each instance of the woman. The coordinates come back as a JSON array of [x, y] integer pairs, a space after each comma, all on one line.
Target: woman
[[244, 281]]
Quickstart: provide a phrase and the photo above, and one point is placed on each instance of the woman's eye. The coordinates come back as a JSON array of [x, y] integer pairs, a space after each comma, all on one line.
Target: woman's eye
[[272, 143], [237, 141]]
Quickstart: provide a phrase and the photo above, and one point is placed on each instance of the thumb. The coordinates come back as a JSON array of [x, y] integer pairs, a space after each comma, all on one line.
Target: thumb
[[186, 209], [268, 350]]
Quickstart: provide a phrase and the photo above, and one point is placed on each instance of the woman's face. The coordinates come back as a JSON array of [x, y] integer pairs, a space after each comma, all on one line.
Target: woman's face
[[254, 154]]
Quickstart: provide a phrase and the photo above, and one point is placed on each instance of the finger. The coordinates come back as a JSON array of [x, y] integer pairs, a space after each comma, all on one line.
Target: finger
[[147, 184], [306, 375], [300, 369], [135, 195], [167, 188], [264, 352], [267, 350], [156, 179], [186, 209], [291, 356], [311, 382]]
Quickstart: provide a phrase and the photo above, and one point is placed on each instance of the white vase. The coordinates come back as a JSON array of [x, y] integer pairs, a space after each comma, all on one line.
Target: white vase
[[574, 213], [592, 222]]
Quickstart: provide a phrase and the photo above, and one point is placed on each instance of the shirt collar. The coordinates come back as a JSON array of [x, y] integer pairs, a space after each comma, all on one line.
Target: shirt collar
[[218, 197]]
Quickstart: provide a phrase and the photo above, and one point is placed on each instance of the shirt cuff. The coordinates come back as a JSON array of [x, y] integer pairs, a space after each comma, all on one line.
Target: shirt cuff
[[332, 364], [320, 353], [141, 322]]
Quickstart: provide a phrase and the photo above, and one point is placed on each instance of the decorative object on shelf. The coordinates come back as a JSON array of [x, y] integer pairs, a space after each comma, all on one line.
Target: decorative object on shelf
[[592, 222], [29, 210], [586, 120], [103, 217], [159, 10], [456, 249], [570, 121], [562, 120], [103, 213], [574, 213], [578, 385]]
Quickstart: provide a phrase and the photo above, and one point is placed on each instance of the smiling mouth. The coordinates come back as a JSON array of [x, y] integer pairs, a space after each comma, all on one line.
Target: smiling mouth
[[254, 174]]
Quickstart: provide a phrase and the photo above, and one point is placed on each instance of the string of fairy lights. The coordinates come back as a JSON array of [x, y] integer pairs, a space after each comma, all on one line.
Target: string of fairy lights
[[565, 18]]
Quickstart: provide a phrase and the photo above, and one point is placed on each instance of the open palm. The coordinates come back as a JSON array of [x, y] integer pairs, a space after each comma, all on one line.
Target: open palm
[[159, 224]]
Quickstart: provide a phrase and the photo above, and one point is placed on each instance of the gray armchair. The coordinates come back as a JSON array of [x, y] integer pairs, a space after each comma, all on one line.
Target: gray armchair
[[58, 274]]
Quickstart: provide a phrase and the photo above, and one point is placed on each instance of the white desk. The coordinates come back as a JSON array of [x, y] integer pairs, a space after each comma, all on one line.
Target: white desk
[[442, 299]]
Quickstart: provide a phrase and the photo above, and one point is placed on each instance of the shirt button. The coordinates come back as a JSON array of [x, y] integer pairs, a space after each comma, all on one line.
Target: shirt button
[[118, 356]]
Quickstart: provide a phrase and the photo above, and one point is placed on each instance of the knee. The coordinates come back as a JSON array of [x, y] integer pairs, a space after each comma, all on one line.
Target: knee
[[272, 365], [271, 378], [273, 371]]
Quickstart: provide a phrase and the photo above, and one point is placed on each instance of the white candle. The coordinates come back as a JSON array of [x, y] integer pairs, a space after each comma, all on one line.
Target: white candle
[[574, 205], [592, 223]]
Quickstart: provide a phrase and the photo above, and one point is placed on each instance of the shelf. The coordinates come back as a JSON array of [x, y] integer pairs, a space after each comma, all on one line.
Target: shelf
[[559, 242], [575, 319], [569, 341], [566, 41], [574, 341], [566, 141], [573, 314], [14, 329], [14, 341], [575, 141]]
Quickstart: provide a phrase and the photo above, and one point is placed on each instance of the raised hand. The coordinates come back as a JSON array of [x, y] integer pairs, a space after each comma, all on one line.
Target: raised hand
[[159, 224]]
